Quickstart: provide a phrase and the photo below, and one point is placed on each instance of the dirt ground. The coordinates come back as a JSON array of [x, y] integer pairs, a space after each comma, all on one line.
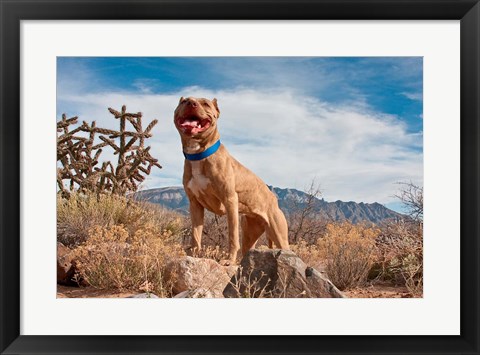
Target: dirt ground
[[378, 291], [90, 292], [373, 291]]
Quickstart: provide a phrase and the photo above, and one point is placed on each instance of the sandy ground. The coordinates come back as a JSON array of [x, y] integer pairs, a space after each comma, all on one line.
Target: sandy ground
[[378, 291], [90, 292], [374, 291]]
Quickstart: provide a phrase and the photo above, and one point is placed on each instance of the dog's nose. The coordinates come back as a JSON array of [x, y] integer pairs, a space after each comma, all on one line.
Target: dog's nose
[[192, 103]]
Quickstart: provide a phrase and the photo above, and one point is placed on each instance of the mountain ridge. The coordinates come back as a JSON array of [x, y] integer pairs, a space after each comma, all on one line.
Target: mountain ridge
[[289, 200]]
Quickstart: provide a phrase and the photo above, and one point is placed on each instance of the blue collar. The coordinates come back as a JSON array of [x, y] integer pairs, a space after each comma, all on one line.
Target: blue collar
[[205, 154]]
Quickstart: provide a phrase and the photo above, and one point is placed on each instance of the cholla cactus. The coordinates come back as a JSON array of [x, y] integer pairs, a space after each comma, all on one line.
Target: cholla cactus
[[78, 156]]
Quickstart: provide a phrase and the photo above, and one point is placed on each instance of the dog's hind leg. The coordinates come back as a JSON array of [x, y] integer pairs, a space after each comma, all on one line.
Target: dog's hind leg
[[252, 229], [277, 230]]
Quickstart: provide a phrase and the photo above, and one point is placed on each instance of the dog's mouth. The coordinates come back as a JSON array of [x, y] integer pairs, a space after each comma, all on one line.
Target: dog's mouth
[[193, 124]]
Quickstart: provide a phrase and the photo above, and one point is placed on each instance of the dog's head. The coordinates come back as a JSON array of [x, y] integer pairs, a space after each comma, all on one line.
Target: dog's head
[[194, 116]]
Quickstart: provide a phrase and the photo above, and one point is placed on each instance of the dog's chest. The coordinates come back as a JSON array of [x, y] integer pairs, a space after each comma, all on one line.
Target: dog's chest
[[198, 183]]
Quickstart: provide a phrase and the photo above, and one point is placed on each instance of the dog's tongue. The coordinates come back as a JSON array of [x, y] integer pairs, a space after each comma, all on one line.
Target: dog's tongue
[[194, 126], [189, 123]]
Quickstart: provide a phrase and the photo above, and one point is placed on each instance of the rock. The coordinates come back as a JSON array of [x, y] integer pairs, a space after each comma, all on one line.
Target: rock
[[198, 293], [65, 266], [278, 273], [188, 273], [144, 295]]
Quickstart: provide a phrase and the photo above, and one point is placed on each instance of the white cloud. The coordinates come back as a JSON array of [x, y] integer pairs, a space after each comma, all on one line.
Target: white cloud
[[415, 96], [144, 86], [288, 140]]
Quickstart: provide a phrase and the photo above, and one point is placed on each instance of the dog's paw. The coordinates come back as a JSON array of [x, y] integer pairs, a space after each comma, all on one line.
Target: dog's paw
[[227, 262]]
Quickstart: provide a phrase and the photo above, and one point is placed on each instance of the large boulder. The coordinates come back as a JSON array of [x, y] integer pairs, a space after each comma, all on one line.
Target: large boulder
[[66, 268], [188, 274], [278, 273]]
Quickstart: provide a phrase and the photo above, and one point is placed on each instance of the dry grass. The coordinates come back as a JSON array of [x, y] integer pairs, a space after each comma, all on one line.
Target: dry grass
[[119, 243], [353, 255], [400, 255], [209, 252], [348, 251], [77, 215], [124, 244], [250, 286], [309, 253], [113, 258]]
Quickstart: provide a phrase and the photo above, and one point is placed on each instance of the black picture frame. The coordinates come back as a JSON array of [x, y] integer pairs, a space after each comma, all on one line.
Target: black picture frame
[[12, 12]]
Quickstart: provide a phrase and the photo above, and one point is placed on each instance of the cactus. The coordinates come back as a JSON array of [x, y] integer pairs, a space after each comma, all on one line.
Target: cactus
[[78, 155]]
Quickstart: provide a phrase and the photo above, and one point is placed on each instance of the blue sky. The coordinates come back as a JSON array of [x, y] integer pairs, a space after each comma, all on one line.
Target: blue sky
[[360, 118]]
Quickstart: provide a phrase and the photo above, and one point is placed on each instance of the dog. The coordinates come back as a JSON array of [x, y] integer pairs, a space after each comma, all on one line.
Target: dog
[[216, 181]]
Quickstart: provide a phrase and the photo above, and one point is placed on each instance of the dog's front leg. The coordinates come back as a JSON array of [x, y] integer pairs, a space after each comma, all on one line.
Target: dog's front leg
[[196, 213], [231, 205]]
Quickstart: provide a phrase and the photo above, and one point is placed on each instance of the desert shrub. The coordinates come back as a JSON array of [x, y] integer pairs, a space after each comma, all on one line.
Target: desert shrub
[[119, 243], [309, 253], [251, 286], [305, 224], [113, 257], [411, 196], [400, 243], [348, 251], [210, 252], [400, 254], [303, 228], [77, 215]]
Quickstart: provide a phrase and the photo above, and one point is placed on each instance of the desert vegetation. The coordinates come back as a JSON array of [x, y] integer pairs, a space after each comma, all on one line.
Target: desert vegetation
[[120, 244], [79, 151]]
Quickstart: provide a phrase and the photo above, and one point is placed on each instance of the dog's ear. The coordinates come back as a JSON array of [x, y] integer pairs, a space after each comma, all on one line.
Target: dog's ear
[[181, 100], [214, 102]]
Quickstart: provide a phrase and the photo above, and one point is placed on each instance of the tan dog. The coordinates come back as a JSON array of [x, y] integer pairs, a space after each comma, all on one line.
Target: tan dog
[[214, 180]]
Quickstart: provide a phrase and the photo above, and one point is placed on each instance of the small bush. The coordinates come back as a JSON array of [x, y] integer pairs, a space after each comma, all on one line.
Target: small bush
[[120, 243], [310, 254], [250, 286], [113, 258], [209, 252], [77, 215], [400, 255], [348, 251]]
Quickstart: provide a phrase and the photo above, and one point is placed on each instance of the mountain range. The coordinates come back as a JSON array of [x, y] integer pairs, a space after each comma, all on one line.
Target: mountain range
[[289, 200]]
